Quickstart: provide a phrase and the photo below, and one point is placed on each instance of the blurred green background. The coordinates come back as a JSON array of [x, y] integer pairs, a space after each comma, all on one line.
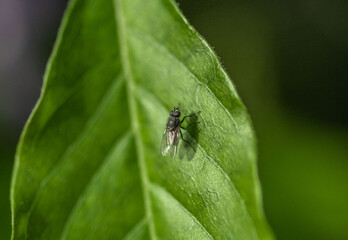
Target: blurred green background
[[289, 62]]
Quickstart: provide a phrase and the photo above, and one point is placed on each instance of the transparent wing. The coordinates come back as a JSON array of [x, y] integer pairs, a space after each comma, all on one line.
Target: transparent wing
[[174, 148], [165, 144], [169, 144]]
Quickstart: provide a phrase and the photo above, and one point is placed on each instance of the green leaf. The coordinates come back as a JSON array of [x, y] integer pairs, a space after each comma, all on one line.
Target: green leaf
[[88, 164]]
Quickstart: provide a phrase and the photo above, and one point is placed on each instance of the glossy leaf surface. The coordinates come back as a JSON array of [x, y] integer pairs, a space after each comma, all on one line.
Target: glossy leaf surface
[[89, 166]]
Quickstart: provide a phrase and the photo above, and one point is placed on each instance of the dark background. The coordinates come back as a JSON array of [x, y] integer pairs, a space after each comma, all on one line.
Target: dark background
[[289, 62]]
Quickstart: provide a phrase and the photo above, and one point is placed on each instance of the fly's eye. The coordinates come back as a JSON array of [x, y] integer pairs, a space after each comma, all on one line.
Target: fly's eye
[[175, 113]]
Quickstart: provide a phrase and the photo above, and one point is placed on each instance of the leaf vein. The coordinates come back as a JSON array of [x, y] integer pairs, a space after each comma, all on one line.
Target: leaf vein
[[214, 162], [153, 41], [99, 109], [137, 227], [164, 190], [93, 178]]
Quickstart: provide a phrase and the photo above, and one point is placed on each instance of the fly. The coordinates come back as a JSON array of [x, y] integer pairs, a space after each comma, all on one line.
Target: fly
[[170, 139]]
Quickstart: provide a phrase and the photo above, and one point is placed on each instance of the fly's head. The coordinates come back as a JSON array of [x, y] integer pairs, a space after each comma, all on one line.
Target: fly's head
[[175, 113]]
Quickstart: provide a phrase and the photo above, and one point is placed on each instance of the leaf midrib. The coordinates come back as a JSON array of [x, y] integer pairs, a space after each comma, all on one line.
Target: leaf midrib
[[123, 47]]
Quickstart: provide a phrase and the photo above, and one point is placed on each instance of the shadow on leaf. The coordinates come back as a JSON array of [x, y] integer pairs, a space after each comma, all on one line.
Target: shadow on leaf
[[191, 135]]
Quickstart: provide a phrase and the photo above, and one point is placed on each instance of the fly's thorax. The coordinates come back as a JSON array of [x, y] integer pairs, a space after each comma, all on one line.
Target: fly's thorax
[[173, 122]]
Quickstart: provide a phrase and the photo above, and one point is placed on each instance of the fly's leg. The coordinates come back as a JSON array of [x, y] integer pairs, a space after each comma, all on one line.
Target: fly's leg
[[186, 140], [185, 128], [192, 115]]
